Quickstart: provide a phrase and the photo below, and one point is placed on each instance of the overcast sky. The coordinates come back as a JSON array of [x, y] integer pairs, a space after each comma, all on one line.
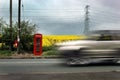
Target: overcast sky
[[66, 16]]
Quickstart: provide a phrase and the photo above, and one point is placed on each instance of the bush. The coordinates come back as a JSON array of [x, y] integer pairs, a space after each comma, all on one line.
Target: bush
[[26, 36], [47, 48], [4, 47]]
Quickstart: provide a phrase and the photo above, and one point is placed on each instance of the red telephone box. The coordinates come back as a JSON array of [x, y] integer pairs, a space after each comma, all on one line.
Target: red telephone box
[[37, 44]]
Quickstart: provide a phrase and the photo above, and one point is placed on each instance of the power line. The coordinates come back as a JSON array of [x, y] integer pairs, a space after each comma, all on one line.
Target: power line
[[42, 9]]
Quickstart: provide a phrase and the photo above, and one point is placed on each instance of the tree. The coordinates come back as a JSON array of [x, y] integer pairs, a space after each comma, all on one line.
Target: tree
[[26, 34], [2, 26]]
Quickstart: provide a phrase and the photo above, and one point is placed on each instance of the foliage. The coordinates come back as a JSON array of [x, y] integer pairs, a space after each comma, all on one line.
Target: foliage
[[2, 25], [26, 35], [47, 48], [27, 28]]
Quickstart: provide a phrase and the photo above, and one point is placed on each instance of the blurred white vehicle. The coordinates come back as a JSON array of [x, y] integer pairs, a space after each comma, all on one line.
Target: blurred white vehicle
[[99, 46]]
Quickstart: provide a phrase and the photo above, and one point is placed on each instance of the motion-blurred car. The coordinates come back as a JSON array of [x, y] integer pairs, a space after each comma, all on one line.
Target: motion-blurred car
[[100, 46]]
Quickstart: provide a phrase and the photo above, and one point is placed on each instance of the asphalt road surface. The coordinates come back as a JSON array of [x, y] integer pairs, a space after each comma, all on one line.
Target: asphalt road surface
[[51, 69], [49, 66]]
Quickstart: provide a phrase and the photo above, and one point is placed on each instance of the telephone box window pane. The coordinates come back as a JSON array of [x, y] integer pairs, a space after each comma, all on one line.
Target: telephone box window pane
[[38, 45]]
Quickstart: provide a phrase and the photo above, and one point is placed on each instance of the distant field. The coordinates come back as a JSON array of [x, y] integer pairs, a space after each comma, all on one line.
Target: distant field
[[49, 40]]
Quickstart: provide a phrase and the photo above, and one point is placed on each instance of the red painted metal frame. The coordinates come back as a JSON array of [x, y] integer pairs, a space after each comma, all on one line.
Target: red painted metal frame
[[37, 44]]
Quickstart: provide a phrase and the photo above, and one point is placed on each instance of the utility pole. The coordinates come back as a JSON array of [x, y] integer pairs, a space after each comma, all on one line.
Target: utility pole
[[86, 22], [11, 35], [19, 25]]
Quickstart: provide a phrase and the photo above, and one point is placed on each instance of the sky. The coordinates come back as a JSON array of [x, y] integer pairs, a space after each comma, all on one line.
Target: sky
[[66, 16]]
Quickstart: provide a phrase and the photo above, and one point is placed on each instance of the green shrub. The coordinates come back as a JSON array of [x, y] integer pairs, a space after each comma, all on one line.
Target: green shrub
[[50, 53], [47, 48]]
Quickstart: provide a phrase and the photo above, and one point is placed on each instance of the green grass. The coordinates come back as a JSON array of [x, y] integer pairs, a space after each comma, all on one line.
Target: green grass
[[5, 53], [50, 53]]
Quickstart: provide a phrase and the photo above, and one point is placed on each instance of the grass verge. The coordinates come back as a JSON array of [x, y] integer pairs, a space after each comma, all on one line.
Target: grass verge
[[5, 53]]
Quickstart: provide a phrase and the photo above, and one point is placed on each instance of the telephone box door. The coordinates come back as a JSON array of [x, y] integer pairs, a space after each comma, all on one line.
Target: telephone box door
[[37, 44]]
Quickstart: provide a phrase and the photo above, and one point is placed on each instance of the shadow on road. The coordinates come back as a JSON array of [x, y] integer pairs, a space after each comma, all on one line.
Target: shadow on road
[[91, 65]]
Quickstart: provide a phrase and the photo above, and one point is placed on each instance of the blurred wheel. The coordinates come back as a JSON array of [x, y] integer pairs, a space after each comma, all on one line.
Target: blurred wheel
[[71, 61], [77, 61]]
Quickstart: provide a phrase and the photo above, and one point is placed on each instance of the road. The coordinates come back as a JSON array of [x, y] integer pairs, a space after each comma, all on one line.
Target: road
[[51, 69], [8, 66]]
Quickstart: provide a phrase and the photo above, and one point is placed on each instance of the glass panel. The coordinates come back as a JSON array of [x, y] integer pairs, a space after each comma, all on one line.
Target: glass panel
[[37, 44]]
